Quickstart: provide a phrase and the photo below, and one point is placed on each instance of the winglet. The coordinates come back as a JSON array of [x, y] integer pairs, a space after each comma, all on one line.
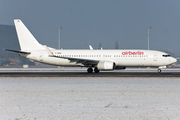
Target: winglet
[[90, 47], [48, 51]]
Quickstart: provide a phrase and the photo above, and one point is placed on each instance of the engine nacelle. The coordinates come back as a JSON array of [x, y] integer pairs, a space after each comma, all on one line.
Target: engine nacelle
[[105, 65]]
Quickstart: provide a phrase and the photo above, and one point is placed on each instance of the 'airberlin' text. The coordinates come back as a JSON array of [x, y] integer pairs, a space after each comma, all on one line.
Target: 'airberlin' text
[[133, 53]]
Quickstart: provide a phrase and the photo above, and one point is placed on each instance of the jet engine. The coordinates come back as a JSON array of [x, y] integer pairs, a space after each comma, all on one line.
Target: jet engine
[[106, 65]]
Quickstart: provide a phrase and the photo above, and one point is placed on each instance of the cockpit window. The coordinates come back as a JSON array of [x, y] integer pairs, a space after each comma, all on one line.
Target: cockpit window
[[166, 55]]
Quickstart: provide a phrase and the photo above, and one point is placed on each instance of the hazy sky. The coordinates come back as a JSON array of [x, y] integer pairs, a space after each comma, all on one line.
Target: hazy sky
[[90, 22]]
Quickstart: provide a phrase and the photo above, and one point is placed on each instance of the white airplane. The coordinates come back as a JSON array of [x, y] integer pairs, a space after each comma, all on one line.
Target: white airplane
[[98, 59]]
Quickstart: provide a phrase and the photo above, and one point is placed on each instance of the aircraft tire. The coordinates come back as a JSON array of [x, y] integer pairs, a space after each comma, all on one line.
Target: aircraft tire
[[96, 70], [90, 70], [159, 70]]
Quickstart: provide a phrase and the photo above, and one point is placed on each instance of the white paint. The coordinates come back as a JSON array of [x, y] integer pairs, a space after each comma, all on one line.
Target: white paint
[[87, 58]]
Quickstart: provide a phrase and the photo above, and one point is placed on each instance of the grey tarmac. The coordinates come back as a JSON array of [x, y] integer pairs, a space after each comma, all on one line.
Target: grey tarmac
[[77, 72]]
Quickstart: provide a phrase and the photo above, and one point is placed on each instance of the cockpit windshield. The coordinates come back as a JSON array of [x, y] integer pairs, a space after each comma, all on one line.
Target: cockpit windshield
[[166, 55]]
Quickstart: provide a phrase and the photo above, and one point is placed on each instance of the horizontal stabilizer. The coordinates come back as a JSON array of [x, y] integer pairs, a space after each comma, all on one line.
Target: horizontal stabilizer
[[18, 51]]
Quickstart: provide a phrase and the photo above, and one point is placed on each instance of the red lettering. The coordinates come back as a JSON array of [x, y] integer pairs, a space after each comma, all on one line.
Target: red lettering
[[123, 53], [133, 53]]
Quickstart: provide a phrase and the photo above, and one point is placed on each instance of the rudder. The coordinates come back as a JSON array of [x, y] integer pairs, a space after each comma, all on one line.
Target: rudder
[[26, 40]]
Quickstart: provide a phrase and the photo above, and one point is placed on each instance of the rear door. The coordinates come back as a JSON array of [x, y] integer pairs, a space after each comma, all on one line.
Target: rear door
[[41, 57]]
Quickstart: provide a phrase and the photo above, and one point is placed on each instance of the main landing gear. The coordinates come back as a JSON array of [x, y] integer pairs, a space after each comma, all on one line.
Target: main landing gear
[[96, 70], [90, 70]]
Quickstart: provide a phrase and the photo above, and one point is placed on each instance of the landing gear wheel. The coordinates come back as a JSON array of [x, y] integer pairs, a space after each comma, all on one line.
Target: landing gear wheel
[[96, 70], [90, 70], [159, 70]]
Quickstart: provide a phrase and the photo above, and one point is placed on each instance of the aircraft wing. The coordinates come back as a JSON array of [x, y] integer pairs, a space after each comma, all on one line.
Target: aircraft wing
[[85, 62]]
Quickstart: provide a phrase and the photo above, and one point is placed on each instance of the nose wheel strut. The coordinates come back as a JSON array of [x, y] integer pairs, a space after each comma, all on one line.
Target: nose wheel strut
[[159, 70]]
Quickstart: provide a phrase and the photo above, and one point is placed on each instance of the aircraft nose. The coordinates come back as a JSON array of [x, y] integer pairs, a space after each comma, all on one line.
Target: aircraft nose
[[173, 60]]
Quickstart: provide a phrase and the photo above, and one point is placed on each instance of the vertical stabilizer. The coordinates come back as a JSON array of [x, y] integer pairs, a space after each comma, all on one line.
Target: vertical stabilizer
[[26, 40]]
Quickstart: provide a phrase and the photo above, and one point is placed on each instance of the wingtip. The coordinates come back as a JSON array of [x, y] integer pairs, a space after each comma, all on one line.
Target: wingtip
[[17, 20]]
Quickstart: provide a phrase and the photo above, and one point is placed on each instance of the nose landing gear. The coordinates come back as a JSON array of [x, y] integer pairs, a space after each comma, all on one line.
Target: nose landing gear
[[159, 70]]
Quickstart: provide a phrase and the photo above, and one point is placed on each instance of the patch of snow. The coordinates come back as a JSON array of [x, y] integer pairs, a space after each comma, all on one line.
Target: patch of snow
[[40, 98]]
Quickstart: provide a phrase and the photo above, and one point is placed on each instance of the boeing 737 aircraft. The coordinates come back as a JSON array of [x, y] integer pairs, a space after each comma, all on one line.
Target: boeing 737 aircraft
[[94, 60]]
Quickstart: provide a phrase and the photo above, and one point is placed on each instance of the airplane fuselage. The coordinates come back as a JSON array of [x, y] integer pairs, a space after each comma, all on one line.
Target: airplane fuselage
[[133, 58]]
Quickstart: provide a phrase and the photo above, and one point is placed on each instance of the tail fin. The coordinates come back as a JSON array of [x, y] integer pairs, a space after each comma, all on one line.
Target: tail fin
[[26, 39]]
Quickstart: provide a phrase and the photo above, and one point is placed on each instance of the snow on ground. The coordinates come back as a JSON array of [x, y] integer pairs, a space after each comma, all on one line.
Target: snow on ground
[[53, 98]]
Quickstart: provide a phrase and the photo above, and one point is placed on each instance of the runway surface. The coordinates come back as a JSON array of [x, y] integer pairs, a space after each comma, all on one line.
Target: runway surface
[[82, 72]]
